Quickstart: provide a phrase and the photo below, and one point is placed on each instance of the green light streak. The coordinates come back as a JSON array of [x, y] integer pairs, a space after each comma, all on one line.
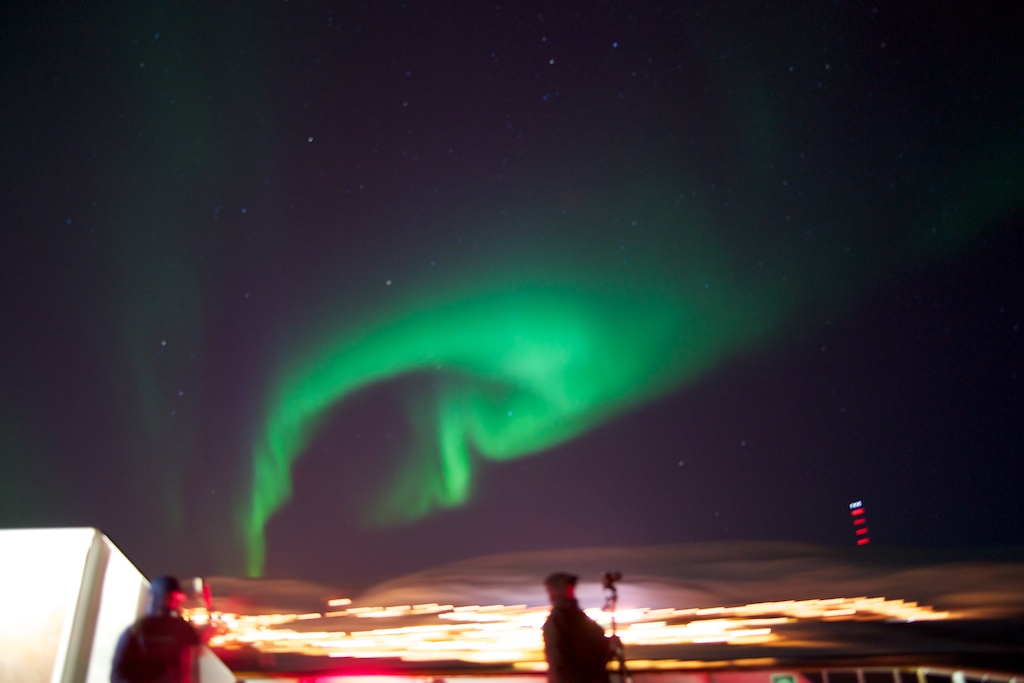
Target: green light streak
[[520, 370]]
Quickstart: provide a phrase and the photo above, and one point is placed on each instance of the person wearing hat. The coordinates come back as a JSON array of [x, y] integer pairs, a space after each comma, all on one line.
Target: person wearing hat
[[159, 646], [575, 646]]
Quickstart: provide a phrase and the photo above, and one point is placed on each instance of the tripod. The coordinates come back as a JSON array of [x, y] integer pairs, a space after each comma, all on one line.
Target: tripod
[[608, 580]]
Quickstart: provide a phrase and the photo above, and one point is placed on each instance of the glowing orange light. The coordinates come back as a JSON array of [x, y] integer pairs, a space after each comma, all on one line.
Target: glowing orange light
[[511, 634]]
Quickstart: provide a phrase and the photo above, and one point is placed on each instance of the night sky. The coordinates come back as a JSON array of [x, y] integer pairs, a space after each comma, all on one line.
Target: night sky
[[338, 291]]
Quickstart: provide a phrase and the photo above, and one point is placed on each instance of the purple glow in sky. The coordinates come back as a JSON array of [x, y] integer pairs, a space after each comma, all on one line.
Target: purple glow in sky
[[799, 230]]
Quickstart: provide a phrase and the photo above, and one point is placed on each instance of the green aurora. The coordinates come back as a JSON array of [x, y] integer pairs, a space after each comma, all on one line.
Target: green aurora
[[540, 355], [565, 339], [223, 226], [518, 366]]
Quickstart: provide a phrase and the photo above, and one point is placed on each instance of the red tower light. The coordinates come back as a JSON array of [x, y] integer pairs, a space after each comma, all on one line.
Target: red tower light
[[860, 522]]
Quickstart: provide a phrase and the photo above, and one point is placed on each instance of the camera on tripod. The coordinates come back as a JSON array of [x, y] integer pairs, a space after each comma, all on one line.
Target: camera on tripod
[[608, 579]]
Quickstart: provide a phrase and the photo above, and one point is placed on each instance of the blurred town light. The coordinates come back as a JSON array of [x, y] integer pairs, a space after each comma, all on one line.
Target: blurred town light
[[511, 634]]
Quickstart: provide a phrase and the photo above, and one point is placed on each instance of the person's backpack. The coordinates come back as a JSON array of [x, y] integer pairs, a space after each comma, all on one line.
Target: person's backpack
[[592, 645], [153, 651]]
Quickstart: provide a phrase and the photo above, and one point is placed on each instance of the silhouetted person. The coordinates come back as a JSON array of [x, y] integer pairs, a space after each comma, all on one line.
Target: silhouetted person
[[159, 647], [574, 644]]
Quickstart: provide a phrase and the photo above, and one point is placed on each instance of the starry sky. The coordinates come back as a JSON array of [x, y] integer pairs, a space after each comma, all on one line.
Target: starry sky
[[339, 291]]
